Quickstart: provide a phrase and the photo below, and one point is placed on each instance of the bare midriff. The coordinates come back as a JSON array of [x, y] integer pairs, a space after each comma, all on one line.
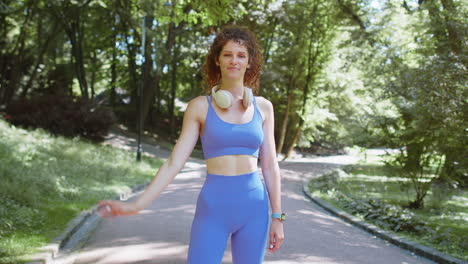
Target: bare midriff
[[231, 165]]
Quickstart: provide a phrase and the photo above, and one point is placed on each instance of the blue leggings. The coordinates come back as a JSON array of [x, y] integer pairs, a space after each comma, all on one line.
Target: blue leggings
[[230, 205]]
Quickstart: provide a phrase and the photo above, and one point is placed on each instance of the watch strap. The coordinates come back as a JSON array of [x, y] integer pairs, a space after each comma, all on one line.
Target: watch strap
[[280, 216]]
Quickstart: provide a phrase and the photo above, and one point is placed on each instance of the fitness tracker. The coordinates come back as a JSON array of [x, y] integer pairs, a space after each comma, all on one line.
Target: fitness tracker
[[280, 216]]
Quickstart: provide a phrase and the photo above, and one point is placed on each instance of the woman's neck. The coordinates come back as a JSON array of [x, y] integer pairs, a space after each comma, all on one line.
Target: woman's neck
[[236, 88]]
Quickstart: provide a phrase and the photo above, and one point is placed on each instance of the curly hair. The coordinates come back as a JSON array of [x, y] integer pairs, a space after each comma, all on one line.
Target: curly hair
[[243, 36]]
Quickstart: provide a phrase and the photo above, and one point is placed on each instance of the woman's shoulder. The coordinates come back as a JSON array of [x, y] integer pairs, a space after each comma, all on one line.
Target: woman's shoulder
[[198, 106], [264, 103], [199, 101], [265, 107]]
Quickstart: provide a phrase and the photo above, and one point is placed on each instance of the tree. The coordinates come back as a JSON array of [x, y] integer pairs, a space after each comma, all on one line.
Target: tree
[[426, 84]]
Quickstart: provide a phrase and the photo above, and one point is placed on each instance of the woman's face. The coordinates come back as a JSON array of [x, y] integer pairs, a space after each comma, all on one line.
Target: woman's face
[[233, 60]]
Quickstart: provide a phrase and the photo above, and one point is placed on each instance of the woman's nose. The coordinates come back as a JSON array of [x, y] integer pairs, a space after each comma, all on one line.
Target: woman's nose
[[234, 59]]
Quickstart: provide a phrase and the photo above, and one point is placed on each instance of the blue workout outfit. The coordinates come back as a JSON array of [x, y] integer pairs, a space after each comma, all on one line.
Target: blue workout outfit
[[230, 205]]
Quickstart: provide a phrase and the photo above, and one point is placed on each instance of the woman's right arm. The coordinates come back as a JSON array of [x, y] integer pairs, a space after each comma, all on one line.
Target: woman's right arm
[[167, 172]]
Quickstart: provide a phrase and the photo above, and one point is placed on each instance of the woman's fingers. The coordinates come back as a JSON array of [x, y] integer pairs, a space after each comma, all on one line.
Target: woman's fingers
[[106, 209], [117, 208], [276, 238], [271, 242], [112, 208], [279, 242], [274, 245]]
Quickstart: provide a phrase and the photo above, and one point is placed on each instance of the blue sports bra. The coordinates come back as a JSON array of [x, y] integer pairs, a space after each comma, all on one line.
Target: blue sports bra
[[222, 138]]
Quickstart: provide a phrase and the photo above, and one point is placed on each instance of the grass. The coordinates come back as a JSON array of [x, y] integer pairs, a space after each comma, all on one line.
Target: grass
[[46, 181], [445, 211]]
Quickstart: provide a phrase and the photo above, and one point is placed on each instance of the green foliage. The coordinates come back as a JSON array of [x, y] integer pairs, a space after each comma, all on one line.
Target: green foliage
[[372, 192], [47, 180], [326, 182], [63, 115], [340, 73], [375, 210], [401, 83], [420, 176]]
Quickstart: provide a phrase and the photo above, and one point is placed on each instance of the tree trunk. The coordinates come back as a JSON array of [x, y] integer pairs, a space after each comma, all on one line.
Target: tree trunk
[[113, 65], [125, 19], [297, 133], [284, 125], [149, 92], [413, 159], [80, 59], [40, 58], [175, 59], [132, 70], [266, 52], [148, 84], [74, 31], [14, 68], [170, 41], [448, 169], [311, 61], [93, 74]]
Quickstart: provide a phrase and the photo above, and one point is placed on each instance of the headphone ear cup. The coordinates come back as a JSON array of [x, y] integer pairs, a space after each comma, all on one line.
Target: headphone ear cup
[[223, 98], [248, 97]]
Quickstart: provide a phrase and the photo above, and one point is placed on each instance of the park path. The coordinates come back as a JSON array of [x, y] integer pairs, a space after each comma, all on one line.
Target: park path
[[160, 233]]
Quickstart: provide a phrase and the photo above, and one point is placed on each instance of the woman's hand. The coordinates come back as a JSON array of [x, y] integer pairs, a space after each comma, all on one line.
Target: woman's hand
[[276, 235], [116, 208]]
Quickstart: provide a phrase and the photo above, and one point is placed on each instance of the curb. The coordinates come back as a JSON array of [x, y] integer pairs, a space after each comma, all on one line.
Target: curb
[[76, 233], [423, 251]]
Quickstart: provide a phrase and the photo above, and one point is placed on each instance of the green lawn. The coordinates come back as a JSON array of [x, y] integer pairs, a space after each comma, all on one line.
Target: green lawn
[[46, 181], [445, 211]]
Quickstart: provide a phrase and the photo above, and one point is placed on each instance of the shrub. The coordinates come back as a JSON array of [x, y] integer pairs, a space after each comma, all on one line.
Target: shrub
[[377, 211], [62, 115]]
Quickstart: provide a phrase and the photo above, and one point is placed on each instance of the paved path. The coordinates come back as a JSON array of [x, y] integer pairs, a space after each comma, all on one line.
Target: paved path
[[160, 233]]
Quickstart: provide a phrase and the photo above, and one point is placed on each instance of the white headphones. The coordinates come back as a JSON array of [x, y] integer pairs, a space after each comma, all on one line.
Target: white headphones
[[224, 98]]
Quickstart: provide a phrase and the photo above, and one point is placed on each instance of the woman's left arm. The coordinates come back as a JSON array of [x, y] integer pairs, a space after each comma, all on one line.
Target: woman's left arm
[[271, 173]]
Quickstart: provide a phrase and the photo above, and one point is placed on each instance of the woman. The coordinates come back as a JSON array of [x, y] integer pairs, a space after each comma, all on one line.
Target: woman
[[236, 129]]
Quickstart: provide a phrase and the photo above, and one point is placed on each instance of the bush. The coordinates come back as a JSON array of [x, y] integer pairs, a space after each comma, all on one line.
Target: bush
[[354, 190], [62, 115], [375, 210]]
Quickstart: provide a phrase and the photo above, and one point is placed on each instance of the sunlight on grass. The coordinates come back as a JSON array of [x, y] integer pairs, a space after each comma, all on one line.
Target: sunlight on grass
[[48, 180], [375, 178], [18, 245], [445, 211], [461, 201]]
